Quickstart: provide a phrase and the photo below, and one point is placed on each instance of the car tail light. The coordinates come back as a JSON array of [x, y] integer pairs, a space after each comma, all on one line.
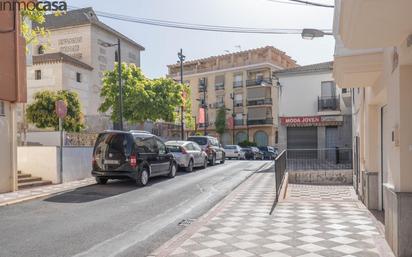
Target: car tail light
[[94, 162], [133, 161], [208, 149], [183, 150]]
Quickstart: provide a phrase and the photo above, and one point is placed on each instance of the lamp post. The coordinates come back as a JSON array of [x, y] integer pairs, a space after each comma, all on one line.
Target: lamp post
[[310, 34], [119, 70], [182, 119], [232, 96]]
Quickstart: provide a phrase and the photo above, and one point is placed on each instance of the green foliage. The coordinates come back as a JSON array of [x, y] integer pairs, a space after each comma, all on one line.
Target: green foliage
[[143, 98], [42, 111], [220, 122], [247, 143]]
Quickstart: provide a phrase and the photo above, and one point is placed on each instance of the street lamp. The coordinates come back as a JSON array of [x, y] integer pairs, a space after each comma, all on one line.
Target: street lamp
[[310, 34], [182, 120], [119, 70]]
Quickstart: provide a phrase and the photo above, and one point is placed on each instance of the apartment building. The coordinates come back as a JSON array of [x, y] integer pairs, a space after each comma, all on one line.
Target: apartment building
[[313, 113], [373, 58], [74, 56], [241, 82]]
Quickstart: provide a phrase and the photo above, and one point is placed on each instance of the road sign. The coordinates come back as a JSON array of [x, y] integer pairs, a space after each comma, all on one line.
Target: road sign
[[61, 109]]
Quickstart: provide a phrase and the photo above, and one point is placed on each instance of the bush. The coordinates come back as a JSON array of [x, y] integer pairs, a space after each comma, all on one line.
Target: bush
[[247, 143]]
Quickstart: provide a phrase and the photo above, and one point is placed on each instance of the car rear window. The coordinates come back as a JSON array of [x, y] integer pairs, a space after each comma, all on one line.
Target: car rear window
[[230, 147], [118, 145], [174, 148], [199, 140]]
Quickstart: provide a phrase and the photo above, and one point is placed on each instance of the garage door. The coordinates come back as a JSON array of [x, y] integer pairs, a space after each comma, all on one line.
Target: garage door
[[302, 138]]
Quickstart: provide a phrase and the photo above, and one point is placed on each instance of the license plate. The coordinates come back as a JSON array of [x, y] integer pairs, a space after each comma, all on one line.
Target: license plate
[[111, 162]]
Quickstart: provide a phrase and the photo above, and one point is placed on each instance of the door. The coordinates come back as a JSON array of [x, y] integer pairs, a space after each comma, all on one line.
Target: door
[[197, 153], [163, 157], [302, 143], [152, 156], [331, 144]]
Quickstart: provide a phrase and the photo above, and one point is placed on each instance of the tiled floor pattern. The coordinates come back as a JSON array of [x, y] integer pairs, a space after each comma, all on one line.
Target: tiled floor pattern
[[44, 190], [321, 193], [321, 228]]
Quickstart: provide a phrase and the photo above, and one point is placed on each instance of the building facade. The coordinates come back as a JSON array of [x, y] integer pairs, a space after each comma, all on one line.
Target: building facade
[[313, 112], [74, 57], [373, 58], [241, 82]]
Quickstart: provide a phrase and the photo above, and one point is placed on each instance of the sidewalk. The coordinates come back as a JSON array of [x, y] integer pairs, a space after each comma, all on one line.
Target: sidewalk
[[38, 192], [313, 221]]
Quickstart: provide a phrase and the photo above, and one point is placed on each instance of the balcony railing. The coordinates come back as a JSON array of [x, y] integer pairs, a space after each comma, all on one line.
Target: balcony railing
[[267, 101], [218, 105], [237, 84], [329, 104], [258, 82], [202, 89], [239, 122], [238, 103], [260, 122], [220, 86]]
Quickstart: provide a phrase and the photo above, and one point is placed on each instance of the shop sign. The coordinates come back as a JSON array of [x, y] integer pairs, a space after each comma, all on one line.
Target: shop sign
[[300, 120]]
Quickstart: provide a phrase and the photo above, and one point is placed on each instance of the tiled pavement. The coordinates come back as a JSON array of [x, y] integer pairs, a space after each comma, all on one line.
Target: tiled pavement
[[27, 194], [315, 221]]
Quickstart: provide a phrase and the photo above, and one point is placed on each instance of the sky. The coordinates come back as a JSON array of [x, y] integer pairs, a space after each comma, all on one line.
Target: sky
[[162, 44]]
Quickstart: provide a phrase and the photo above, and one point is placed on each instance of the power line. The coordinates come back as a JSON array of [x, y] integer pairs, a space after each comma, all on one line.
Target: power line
[[313, 3], [193, 26]]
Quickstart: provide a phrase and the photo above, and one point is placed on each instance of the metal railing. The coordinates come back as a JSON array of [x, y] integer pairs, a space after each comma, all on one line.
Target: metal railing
[[238, 103], [258, 82], [280, 171], [239, 122], [319, 159], [329, 103], [237, 84], [260, 122], [267, 101], [220, 86]]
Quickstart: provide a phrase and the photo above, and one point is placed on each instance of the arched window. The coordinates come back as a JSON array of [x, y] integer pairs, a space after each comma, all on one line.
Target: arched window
[[261, 138], [40, 50], [241, 137], [226, 139]]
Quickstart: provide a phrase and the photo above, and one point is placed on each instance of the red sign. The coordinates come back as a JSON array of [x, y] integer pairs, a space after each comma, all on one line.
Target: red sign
[[61, 109], [300, 120], [230, 122], [201, 119]]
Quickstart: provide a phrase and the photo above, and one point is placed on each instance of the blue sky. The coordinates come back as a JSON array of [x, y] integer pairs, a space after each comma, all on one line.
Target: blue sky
[[162, 44]]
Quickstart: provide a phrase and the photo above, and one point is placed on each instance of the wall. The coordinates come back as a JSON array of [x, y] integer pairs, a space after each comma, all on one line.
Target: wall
[[44, 162], [321, 177], [6, 166], [39, 161]]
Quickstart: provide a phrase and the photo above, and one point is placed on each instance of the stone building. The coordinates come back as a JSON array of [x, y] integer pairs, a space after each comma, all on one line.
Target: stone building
[[74, 57], [241, 81]]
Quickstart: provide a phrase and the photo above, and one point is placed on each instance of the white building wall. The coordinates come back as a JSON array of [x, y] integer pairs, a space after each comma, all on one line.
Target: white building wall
[[7, 149]]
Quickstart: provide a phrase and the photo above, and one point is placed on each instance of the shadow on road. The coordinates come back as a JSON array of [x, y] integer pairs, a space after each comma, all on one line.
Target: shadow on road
[[98, 192]]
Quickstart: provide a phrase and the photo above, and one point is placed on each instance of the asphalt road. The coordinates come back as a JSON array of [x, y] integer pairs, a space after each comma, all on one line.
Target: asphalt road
[[117, 219]]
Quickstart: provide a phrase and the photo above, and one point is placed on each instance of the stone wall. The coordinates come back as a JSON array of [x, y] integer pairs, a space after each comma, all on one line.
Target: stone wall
[[321, 177]]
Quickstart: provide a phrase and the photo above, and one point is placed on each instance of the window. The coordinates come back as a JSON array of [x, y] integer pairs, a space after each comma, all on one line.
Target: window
[[37, 74], [78, 77], [328, 89], [41, 49], [196, 147], [161, 147], [2, 110], [190, 147]]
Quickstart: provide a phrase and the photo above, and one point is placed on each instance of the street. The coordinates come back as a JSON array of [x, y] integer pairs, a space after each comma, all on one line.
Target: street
[[117, 219]]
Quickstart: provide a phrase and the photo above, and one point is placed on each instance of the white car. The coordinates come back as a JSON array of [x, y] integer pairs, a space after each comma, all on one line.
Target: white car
[[234, 152], [188, 155]]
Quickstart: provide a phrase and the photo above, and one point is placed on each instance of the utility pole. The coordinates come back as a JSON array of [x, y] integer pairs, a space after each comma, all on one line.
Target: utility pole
[[182, 117], [205, 107], [232, 96], [119, 69]]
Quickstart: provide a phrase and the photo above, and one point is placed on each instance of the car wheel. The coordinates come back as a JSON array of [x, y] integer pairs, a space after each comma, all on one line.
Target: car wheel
[[101, 181], [213, 161], [205, 162], [173, 170], [143, 177], [190, 166]]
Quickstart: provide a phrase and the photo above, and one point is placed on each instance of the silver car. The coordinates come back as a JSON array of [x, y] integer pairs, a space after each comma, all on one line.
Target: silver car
[[234, 152], [188, 154]]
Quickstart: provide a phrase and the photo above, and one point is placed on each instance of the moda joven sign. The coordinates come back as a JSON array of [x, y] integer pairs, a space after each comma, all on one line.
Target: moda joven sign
[[311, 120]]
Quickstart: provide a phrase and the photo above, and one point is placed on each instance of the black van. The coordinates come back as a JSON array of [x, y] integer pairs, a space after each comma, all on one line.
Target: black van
[[134, 155]]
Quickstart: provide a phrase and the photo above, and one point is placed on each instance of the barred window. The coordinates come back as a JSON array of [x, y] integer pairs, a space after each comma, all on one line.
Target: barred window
[[2, 111]]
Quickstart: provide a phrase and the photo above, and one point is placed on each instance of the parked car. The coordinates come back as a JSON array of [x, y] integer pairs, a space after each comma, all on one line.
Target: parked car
[[211, 147], [252, 153], [188, 155], [259, 155], [234, 152], [137, 156], [269, 152]]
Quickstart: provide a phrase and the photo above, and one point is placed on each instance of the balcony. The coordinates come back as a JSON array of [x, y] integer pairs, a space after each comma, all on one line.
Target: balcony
[[260, 122], [202, 89], [237, 84], [239, 122], [218, 105], [267, 101], [238, 103], [258, 82], [328, 104], [220, 86]]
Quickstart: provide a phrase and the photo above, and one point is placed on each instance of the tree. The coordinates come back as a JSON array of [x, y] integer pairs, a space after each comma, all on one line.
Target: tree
[[247, 143], [143, 98], [220, 122], [42, 111]]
